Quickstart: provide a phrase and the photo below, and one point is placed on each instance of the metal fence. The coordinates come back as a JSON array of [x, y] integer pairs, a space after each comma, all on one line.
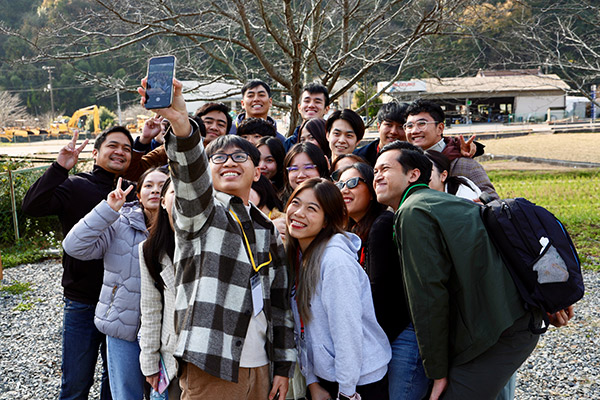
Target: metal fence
[[14, 183]]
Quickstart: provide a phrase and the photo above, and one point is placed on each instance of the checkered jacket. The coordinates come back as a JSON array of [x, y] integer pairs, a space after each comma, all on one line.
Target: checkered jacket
[[469, 168], [213, 305]]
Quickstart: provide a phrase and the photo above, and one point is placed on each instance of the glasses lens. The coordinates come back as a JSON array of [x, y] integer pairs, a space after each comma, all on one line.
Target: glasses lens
[[421, 124], [308, 167], [340, 185], [218, 158], [292, 169], [352, 182], [239, 157]]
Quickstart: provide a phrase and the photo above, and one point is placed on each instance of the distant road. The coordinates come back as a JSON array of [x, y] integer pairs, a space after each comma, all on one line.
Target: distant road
[[51, 147]]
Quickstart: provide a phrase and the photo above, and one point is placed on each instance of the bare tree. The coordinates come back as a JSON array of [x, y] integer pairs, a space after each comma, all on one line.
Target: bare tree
[[11, 109], [287, 42], [564, 37], [561, 37]]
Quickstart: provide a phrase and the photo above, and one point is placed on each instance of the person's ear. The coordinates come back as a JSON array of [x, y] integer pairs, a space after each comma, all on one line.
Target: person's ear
[[94, 154], [414, 175], [256, 174], [444, 176]]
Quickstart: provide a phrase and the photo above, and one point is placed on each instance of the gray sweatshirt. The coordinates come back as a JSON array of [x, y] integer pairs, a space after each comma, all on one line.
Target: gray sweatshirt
[[342, 342]]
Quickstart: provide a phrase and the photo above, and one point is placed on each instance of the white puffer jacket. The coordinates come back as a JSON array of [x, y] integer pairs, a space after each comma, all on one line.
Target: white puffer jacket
[[114, 236]]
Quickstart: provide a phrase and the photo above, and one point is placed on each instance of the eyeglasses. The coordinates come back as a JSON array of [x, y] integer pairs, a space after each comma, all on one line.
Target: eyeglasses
[[419, 124], [306, 167], [350, 183], [221, 158]]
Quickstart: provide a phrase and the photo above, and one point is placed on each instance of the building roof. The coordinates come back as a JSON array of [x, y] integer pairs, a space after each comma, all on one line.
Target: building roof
[[508, 72], [213, 91], [496, 84]]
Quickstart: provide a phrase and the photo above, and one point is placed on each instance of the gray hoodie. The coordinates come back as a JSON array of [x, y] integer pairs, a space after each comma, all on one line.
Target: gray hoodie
[[342, 342]]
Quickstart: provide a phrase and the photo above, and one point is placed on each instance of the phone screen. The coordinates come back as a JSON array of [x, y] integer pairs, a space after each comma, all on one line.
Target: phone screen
[[159, 87]]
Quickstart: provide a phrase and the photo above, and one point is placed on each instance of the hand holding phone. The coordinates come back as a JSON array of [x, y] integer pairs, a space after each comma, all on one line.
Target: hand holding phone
[[159, 86]]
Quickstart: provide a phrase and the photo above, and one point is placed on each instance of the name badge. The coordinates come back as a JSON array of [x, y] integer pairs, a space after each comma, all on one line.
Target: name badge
[[257, 294]]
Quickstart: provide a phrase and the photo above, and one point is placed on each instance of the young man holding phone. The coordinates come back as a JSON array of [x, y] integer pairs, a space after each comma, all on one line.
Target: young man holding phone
[[232, 308]]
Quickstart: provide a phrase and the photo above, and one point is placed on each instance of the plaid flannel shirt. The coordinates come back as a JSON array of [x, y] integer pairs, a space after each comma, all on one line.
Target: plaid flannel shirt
[[213, 305]]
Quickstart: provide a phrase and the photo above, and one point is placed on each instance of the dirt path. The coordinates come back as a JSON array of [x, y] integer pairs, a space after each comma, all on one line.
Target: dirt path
[[566, 146]]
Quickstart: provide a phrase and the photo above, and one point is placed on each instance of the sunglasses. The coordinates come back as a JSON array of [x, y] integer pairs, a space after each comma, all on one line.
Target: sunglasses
[[350, 183]]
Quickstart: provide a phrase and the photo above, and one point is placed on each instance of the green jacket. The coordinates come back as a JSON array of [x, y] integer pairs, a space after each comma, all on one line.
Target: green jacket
[[460, 294]]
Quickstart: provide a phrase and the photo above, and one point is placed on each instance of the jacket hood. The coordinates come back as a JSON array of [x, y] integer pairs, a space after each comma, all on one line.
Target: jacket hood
[[347, 242], [134, 214]]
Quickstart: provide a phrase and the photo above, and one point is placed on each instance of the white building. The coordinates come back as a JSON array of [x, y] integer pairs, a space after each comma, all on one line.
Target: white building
[[197, 94], [491, 96]]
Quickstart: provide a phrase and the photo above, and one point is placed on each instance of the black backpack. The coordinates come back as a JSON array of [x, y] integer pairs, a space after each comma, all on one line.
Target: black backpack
[[538, 252]]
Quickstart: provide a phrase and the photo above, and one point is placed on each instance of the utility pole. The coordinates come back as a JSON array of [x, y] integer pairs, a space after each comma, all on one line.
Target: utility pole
[[119, 106], [49, 69]]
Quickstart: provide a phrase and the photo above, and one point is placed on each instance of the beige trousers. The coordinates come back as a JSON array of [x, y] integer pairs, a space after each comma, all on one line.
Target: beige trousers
[[253, 384]]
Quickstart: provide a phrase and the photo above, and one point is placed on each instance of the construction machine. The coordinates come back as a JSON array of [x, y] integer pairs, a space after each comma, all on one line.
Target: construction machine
[[65, 127]]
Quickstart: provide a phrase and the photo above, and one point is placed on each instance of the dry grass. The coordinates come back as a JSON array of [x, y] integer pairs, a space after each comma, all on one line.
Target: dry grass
[[564, 146]]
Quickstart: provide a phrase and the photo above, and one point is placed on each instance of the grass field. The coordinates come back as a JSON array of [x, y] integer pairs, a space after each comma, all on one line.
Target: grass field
[[573, 197]]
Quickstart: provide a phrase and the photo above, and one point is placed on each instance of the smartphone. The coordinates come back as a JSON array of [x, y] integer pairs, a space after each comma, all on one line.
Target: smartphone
[[159, 87]]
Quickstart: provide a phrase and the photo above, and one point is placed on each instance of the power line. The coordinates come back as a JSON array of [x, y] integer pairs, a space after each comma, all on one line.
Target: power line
[[44, 89]]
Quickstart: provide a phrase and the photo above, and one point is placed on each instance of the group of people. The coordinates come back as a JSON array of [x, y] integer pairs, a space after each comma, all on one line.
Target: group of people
[[247, 265]]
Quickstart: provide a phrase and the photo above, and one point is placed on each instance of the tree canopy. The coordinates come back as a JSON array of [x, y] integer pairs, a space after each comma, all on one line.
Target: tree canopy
[[100, 46]]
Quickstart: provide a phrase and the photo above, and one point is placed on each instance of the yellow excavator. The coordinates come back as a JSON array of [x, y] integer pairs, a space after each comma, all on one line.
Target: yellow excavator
[[138, 124], [22, 133], [64, 127]]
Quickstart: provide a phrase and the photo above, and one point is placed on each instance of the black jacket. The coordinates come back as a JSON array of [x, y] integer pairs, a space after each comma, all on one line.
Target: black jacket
[[71, 198], [384, 267]]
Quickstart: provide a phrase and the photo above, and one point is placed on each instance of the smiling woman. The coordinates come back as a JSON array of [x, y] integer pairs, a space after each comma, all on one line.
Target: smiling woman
[[104, 233], [331, 297], [302, 162]]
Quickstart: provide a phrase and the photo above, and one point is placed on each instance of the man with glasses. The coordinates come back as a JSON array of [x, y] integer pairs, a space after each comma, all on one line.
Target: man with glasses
[[424, 128], [232, 308]]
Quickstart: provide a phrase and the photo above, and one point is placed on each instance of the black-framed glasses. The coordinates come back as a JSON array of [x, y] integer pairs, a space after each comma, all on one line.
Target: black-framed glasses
[[421, 124], [350, 183], [221, 158]]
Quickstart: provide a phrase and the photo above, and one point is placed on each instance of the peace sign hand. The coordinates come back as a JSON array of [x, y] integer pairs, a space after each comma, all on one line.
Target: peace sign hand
[[117, 197], [68, 155]]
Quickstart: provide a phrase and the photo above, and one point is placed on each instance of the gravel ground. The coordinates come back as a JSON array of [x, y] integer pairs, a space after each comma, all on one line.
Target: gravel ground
[[566, 363]]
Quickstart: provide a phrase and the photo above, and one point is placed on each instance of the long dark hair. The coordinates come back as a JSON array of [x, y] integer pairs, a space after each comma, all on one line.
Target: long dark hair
[[267, 193], [441, 163], [363, 227], [161, 240], [336, 216], [278, 152], [316, 127]]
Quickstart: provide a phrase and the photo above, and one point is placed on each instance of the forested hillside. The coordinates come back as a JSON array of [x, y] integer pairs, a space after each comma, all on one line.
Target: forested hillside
[[274, 40]]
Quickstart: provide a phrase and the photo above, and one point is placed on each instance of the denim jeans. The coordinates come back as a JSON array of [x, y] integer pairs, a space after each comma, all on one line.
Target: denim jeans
[[405, 372], [126, 379], [508, 391], [81, 342]]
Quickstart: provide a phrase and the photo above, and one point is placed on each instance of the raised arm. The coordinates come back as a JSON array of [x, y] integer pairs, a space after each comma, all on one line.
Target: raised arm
[[48, 195], [91, 236], [140, 161], [190, 172]]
